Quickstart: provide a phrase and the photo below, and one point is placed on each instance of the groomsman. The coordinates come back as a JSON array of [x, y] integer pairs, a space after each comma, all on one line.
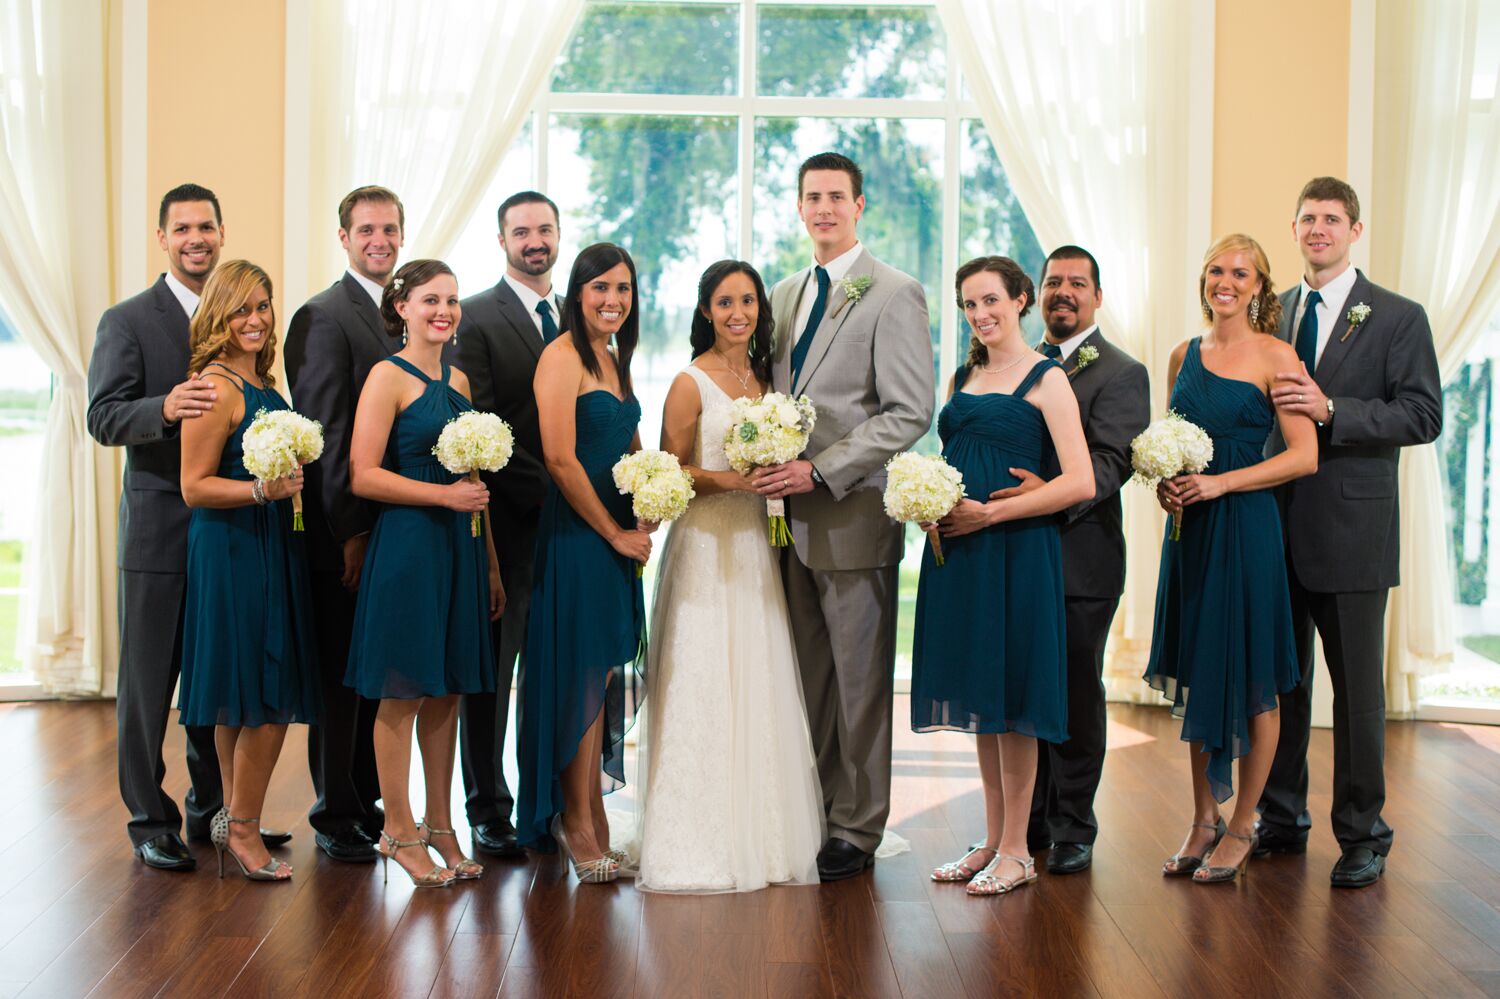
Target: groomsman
[[139, 394], [331, 344], [1373, 389], [852, 333], [1114, 400], [500, 336]]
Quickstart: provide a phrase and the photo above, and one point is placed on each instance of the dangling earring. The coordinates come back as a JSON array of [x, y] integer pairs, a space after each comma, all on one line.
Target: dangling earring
[[403, 334], [1255, 310]]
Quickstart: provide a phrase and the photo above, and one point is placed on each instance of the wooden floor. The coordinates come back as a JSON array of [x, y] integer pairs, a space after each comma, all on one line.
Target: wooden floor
[[79, 916]]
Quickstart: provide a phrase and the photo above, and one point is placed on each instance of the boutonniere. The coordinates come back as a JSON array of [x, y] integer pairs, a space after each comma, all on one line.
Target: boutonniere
[[1086, 356], [854, 290], [1356, 315]]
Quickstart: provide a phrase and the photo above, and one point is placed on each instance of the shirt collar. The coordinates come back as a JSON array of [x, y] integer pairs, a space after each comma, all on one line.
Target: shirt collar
[[377, 292], [1335, 292], [839, 265], [186, 297], [1073, 342], [529, 298]]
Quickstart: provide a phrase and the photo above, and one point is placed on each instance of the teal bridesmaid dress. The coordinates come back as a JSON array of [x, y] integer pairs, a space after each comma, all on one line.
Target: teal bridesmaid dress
[[989, 649], [248, 656], [1222, 647], [421, 623], [586, 635]]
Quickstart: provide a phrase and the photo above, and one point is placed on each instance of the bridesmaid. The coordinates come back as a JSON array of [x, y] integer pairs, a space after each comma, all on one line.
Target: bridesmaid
[[247, 654], [1223, 615], [428, 589], [586, 635], [988, 655]]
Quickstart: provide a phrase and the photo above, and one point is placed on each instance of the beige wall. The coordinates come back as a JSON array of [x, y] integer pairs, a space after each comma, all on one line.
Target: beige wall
[[1281, 105], [215, 86]]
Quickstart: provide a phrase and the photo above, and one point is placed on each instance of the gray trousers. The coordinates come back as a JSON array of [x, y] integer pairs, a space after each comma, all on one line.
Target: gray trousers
[[150, 607], [844, 627]]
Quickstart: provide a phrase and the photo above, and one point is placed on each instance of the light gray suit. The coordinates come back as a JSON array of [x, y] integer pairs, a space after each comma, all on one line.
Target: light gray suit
[[869, 372]]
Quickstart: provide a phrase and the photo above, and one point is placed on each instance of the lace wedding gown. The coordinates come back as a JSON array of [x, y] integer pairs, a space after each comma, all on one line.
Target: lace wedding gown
[[728, 796]]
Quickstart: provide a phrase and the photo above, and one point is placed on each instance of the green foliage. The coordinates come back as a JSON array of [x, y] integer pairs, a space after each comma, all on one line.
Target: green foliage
[[1466, 405]]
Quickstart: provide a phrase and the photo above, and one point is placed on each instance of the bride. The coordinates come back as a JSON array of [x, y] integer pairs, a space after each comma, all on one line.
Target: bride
[[728, 792]]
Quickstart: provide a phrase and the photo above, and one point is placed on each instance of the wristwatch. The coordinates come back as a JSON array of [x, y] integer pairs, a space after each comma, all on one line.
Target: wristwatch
[[1330, 409], [817, 478]]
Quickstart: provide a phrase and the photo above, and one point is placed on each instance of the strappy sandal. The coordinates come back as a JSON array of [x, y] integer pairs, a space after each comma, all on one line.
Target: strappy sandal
[[218, 834], [465, 869], [1180, 865], [987, 882], [1226, 875], [438, 877], [960, 869]]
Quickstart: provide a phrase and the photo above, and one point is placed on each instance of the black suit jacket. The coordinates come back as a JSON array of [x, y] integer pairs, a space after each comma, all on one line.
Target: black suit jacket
[[1114, 403], [1343, 523], [498, 348], [140, 353], [331, 344]]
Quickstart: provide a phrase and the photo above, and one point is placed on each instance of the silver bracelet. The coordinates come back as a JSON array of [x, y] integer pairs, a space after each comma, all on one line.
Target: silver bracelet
[[258, 493]]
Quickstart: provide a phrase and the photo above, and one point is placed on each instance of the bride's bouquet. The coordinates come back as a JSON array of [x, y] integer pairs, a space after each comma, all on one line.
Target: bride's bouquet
[[771, 430], [922, 489], [658, 488], [472, 443], [1169, 447], [277, 443]]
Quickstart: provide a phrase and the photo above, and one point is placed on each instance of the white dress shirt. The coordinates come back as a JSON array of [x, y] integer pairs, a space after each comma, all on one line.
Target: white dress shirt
[[1330, 310], [1073, 342], [186, 297], [529, 300], [377, 292], [836, 268]]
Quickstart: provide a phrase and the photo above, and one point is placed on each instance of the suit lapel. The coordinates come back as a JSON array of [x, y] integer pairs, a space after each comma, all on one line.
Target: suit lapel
[[359, 301], [791, 302], [1344, 335], [514, 313], [1289, 302], [1074, 369], [174, 321], [838, 312]]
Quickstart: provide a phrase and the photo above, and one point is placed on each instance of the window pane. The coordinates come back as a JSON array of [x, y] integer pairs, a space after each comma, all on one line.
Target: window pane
[[665, 188], [476, 258], [25, 392], [990, 220], [844, 51], [652, 48], [1469, 450]]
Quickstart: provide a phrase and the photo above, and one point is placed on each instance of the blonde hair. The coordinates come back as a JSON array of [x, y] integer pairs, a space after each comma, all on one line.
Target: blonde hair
[[228, 288], [1267, 314]]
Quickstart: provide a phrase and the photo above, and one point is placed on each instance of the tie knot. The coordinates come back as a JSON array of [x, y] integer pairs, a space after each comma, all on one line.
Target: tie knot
[[1314, 298], [544, 308], [1052, 350], [823, 280]]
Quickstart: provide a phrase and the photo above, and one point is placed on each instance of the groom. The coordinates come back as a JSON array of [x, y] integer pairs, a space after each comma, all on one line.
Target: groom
[[852, 334]]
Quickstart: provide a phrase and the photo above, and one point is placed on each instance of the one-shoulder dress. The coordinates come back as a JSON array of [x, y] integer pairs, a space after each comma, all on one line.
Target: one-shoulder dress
[[1222, 647], [586, 634], [248, 656], [989, 652], [421, 623]]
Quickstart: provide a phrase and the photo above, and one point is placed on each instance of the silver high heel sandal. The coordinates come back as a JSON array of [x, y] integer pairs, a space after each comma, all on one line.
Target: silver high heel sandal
[[218, 833], [589, 872], [432, 879], [464, 870]]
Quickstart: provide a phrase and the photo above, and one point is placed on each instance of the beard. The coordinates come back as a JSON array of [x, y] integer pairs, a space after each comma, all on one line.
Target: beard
[[535, 264], [1063, 324]]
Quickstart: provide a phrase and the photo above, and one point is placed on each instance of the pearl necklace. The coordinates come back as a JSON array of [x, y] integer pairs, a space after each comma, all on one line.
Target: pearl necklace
[[1003, 367]]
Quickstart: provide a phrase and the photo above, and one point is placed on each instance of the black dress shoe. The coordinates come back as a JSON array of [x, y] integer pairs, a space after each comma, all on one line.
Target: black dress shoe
[[1070, 858], [166, 852], [1357, 868], [1273, 841], [351, 846], [496, 838], [840, 859]]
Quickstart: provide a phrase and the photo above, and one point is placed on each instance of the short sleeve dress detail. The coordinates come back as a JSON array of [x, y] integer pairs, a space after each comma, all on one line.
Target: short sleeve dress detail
[[586, 632], [989, 650], [248, 656], [1223, 631], [421, 623]]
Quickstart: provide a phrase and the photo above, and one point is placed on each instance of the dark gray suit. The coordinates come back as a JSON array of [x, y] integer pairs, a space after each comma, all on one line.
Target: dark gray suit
[[1343, 553], [140, 354], [1114, 402], [331, 344], [498, 347]]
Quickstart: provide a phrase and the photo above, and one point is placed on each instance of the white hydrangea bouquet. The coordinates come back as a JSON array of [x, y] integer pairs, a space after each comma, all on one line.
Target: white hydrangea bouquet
[[1169, 447], [471, 443], [771, 430], [277, 443], [922, 489], [658, 488]]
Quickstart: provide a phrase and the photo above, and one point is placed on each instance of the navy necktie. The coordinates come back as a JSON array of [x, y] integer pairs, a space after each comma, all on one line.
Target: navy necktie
[[820, 304], [1052, 350], [1307, 333], [549, 328]]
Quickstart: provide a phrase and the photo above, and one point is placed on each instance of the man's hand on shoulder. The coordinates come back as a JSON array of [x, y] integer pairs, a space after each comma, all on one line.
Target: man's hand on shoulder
[[189, 399]]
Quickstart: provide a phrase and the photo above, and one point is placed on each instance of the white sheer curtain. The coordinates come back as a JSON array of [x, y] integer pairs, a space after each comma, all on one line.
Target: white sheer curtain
[[54, 283], [424, 99], [1089, 104], [1435, 216]]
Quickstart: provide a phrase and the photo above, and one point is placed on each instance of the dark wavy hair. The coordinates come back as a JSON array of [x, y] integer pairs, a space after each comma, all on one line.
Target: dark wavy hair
[[593, 261], [1016, 282], [702, 337], [412, 274]]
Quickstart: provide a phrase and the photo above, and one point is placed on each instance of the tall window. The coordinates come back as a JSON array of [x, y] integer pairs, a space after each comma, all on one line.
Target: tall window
[[676, 130], [25, 391]]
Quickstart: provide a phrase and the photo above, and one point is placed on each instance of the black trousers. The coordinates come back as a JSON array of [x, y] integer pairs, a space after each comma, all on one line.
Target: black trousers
[[483, 718], [150, 608], [341, 747], [1353, 629], [1067, 774]]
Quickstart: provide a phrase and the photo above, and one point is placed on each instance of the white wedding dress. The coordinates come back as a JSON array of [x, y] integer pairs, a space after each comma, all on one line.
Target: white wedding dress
[[728, 796]]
